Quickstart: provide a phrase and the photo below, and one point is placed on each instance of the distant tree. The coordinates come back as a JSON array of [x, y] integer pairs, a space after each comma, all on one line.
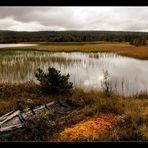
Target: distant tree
[[84, 38], [61, 36], [139, 41]]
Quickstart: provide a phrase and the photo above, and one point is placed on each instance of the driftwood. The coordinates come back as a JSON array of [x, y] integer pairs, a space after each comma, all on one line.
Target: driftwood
[[15, 120]]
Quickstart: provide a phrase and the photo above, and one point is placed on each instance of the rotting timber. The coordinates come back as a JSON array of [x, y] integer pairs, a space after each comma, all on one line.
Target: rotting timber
[[14, 120]]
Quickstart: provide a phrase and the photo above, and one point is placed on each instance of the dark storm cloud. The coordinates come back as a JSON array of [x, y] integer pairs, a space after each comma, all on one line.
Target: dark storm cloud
[[74, 18]]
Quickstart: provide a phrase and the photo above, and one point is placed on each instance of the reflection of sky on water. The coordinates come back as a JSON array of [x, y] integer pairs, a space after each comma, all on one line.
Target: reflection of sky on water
[[127, 75], [15, 45]]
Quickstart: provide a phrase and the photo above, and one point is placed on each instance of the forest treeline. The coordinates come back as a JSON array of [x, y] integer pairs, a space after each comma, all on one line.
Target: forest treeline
[[70, 36]]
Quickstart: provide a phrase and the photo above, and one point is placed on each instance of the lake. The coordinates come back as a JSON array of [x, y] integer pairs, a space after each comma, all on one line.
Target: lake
[[16, 45], [127, 76]]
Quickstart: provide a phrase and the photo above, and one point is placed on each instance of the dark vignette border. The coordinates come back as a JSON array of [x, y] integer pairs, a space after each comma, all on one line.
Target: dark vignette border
[[73, 2]]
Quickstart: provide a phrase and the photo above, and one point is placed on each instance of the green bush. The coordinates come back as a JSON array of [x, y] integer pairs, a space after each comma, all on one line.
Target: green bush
[[53, 82]]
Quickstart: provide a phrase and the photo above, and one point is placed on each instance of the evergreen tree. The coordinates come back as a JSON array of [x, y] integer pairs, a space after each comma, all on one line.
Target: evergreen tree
[[53, 82]]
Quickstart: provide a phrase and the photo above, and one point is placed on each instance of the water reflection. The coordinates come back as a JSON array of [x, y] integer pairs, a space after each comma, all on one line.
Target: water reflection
[[15, 45], [127, 76]]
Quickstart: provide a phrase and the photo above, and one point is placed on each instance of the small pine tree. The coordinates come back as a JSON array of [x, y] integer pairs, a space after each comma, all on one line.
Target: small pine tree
[[53, 82]]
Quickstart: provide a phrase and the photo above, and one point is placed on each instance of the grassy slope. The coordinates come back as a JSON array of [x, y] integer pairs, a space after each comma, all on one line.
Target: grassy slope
[[134, 109]]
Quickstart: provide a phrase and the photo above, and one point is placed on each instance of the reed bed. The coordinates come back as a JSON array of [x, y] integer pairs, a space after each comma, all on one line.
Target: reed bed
[[123, 48]]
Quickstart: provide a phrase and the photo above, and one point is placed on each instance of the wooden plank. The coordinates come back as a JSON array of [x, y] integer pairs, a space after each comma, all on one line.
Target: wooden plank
[[27, 114], [15, 120], [39, 108], [10, 117], [5, 116], [46, 107], [63, 103], [21, 118], [43, 106], [51, 103], [9, 128]]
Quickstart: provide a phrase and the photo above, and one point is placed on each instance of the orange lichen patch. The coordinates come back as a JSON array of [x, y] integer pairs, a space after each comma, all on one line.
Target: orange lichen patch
[[88, 128]]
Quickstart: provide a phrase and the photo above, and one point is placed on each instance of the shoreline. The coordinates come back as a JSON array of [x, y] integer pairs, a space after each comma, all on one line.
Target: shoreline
[[120, 48]]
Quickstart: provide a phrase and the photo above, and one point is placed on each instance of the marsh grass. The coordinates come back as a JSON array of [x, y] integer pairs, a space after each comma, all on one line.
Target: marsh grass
[[141, 94], [121, 48], [19, 66]]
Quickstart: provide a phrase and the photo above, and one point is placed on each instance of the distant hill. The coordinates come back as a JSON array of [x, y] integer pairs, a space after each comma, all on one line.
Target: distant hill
[[68, 36]]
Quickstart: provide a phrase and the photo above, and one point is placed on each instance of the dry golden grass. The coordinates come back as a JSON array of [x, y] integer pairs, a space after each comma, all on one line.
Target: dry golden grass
[[85, 124], [133, 111], [122, 48], [11, 93], [133, 124], [136, 107]]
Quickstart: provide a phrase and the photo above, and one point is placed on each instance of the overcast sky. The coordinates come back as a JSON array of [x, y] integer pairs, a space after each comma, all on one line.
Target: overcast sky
[[74, 18]]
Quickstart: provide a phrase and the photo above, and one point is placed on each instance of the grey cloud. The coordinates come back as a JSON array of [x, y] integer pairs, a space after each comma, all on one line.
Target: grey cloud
[[74, 18]]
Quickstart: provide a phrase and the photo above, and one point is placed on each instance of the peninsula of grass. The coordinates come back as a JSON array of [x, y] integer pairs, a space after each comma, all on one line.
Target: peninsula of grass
[[121, 48]]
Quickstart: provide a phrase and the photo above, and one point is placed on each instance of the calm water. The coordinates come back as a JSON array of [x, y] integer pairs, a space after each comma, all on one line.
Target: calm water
[[15, 45], [127, 76]]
